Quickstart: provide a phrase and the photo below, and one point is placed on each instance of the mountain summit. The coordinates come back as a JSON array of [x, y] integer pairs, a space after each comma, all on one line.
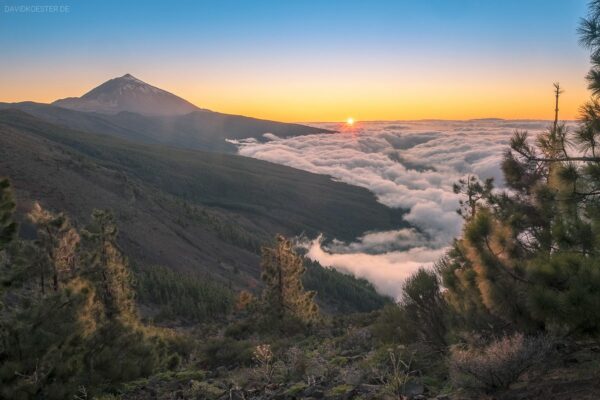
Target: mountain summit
[[130, 109], [127, 93]]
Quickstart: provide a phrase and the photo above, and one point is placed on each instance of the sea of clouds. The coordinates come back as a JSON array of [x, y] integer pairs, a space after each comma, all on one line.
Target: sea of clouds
[[406, 164]]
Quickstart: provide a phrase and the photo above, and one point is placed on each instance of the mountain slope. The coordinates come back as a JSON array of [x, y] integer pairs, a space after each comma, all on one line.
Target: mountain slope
[[128, 93], [203, 130], [131, 109], [183, 209]]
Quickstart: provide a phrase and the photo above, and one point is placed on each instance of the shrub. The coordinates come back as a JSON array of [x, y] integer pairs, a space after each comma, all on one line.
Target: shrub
[[296, 362], [263, 356], [204, 390], [420, 316], [498, 364], [340, 390], [316, 369], [425, 309], [393, 368], [240, 329], [388, 326], [226, 352], [356, 340], [244, 301], [295, 390]]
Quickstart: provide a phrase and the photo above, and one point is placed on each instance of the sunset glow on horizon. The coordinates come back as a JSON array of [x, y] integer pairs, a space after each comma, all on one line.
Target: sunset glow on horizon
[[294, 62]]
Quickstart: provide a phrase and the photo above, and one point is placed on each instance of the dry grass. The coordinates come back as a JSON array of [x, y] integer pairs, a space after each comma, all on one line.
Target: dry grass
[[500, 363]]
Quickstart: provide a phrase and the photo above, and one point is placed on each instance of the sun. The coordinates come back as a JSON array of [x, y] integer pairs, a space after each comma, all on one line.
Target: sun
[[350, 121]]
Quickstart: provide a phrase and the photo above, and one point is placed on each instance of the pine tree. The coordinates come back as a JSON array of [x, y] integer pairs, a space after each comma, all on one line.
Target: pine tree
[[284, 295], [425, 309], [8, 227], [107, 266], [57, 241], [474, 192], [83, 332], [589, 37], [531, 257]]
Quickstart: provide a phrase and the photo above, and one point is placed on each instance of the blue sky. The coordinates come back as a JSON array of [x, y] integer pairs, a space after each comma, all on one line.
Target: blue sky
[[257, 56]]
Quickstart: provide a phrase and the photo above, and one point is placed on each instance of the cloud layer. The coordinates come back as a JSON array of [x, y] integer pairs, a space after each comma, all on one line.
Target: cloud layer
[[406, 164]]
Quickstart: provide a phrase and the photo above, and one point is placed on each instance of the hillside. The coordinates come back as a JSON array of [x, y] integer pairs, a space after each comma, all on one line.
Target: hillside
[[201, 130], [131, 109], [184, 209]]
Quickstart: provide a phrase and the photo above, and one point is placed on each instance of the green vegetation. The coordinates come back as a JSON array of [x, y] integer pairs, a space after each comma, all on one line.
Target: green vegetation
[[516, 296], [528, 258], [188, 296], [284, 297], [190, 211], [425, 311], [263, 192], [341, 293], [70, 327], [79, 327], [8, 227]]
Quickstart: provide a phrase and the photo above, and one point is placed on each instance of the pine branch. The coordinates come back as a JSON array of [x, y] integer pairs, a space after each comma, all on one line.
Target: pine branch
[[530, 157]]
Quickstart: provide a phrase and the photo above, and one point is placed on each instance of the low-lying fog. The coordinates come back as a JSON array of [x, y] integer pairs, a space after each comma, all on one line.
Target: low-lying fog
[[406, 164]]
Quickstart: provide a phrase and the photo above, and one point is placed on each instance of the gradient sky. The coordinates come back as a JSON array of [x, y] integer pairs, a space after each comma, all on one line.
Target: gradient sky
[[301, 60]]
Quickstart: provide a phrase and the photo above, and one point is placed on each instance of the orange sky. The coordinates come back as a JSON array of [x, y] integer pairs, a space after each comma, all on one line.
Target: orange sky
[[317, 98]]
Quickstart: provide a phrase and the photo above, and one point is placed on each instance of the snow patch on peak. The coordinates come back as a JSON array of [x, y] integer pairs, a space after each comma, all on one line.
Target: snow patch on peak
[[127, 93], [132, 78]]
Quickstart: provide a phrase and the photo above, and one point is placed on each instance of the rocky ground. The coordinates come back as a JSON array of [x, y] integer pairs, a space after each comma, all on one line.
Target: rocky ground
[[573, 374]]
